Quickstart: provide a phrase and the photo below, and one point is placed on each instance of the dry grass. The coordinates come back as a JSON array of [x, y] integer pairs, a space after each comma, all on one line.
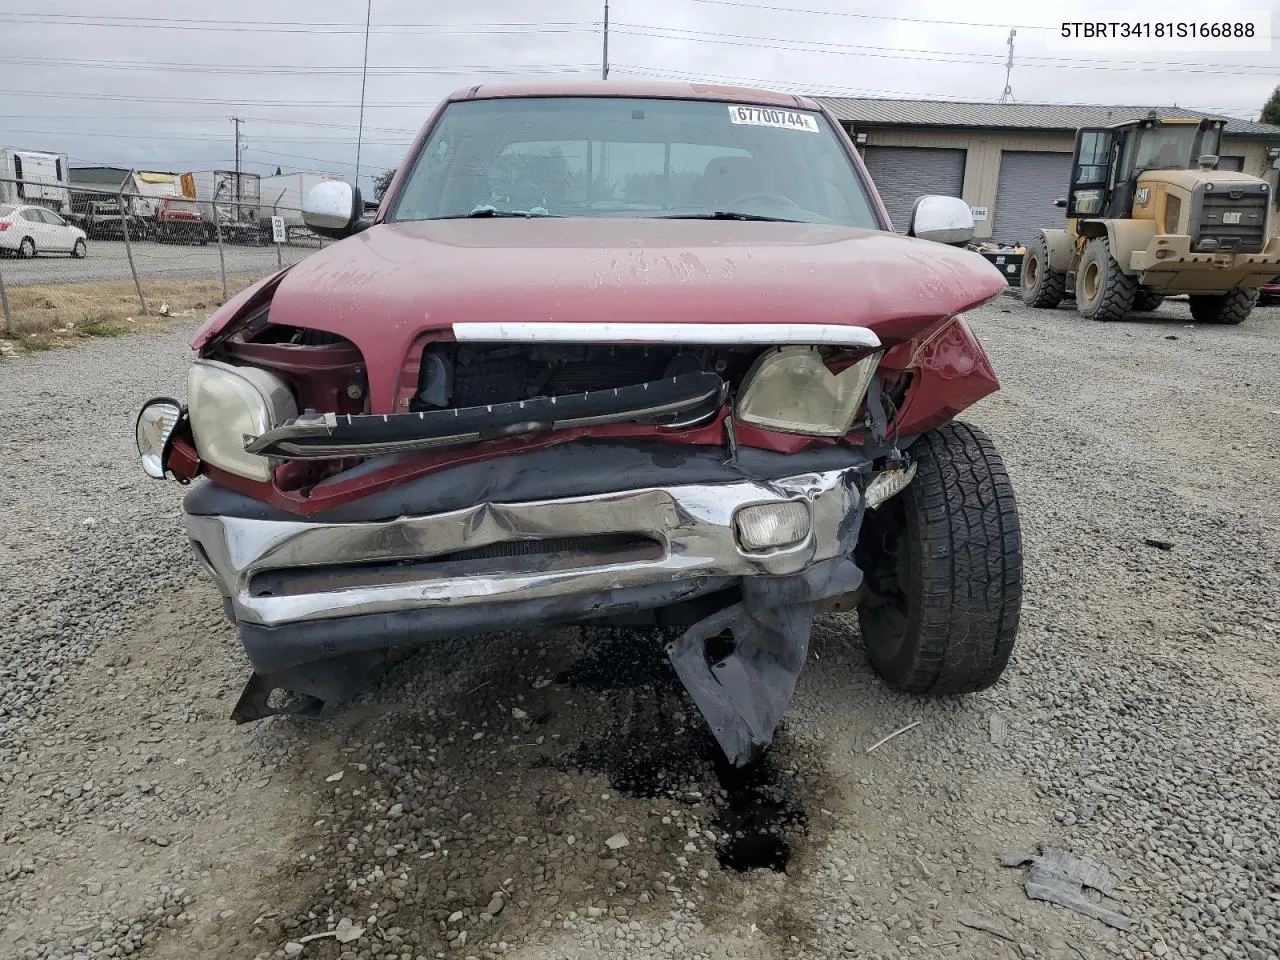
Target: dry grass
[[63, 315]]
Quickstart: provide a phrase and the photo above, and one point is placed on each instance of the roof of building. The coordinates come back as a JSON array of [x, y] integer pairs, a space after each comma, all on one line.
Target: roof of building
[[99, 176], [1016, 116]]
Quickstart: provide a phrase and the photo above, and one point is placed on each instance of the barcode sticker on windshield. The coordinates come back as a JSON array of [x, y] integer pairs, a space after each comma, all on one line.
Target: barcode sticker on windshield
[[773, 117]]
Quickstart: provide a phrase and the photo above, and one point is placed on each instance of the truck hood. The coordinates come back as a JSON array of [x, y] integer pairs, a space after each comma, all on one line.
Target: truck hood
[[389, 284]]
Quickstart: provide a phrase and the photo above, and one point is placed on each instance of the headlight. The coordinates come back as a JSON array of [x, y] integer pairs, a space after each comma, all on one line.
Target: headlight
[[790, 389], [153, 431], [227, 406]]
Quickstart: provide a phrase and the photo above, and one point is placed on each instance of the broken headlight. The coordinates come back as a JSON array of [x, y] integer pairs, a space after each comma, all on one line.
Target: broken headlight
[[790, 389], [229, 406], [154, 431]]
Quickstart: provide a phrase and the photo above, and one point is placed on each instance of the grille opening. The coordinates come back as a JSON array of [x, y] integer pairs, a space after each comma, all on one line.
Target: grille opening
[[477, 374], [510, 557], [1238, 223]]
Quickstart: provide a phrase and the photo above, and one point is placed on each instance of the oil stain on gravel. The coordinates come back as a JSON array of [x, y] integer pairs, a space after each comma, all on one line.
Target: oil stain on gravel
[[666, 751]]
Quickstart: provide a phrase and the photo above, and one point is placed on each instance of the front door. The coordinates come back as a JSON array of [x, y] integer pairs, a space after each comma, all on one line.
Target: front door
[[60, 236], [1090, 172]]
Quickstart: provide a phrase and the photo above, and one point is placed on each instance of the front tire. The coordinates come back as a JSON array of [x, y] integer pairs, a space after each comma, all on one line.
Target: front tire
[[79, 251], [943, 566], [1232, 307], [1041, 287], [1103, 292], [1146, 300]]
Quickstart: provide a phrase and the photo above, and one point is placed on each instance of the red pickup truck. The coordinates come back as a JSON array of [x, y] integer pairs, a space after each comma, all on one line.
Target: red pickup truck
[[639, 354], [178, 219]]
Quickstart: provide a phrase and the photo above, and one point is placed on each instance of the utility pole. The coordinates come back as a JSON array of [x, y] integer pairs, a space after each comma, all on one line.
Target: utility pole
[[1007, 95], [604, 59], [364, 75], [235, 192]]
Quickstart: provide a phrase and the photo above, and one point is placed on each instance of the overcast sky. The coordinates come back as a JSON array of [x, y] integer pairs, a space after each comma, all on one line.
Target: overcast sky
[[153, 84]]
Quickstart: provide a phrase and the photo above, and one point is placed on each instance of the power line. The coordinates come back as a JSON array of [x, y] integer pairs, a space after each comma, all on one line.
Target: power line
[[980, 59], [188, 118], [319, 28], [872, 16], [457, 71], [214, 68], [199, 138]]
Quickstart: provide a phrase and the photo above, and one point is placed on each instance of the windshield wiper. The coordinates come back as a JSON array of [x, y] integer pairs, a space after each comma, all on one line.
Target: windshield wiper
[[727, 215], [485, 210]]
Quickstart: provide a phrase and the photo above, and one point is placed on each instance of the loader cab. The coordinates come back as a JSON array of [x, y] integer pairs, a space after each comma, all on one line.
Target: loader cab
[[1109, 160]]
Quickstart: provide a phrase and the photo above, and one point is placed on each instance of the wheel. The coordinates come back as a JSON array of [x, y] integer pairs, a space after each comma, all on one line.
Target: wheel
[[1146, 300], [1231, 307], [1041, 287], [943, 566], [79, 251], [1102, 291], [27, 248]]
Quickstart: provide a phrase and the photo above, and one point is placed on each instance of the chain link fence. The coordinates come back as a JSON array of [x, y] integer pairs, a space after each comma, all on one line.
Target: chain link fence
[[65, 249]]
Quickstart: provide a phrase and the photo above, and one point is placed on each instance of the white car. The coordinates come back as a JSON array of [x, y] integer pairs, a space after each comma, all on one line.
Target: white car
[[26, 231]]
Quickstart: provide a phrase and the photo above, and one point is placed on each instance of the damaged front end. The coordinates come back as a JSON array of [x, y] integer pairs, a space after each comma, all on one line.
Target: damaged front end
[[506, 476]]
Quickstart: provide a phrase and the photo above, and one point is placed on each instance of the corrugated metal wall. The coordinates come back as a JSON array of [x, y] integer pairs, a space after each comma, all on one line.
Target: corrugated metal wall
[[903, 174], [1029, 183]]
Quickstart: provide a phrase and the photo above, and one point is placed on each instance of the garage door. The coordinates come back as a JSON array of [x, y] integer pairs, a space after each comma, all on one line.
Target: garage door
[[903, 174], [1029, 183]]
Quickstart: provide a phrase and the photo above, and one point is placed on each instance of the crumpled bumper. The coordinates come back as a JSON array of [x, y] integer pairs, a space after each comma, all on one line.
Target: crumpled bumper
[[311, 592], [279, 573]]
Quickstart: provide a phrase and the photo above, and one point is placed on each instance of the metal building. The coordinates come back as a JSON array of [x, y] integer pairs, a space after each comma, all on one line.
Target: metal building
[[1010, 161]]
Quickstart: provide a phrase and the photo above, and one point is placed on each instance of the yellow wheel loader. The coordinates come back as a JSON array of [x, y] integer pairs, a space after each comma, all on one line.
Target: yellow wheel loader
[[1150, 216]]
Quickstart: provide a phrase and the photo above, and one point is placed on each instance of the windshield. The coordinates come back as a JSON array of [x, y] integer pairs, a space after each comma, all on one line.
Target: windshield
[[1167, 148], [186, 206], [623, 157]]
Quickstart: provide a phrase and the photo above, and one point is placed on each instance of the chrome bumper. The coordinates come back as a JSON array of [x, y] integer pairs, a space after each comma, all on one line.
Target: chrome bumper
[[691, 526]]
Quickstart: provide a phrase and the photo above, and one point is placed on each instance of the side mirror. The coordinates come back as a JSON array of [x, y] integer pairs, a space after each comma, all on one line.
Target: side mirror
[[941, 219], [333, 208], [1060, 202]]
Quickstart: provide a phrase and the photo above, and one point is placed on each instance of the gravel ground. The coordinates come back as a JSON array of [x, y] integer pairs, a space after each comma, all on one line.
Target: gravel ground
[[554, 795], [108, 260]]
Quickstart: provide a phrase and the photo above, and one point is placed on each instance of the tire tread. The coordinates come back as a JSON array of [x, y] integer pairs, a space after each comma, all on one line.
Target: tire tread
[[968, 544]]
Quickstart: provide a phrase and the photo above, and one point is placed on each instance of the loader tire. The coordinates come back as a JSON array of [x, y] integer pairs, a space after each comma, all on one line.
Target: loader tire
[[1103, 292], [943, 568], [1041, 287], [1146, 300], [1232, 307]]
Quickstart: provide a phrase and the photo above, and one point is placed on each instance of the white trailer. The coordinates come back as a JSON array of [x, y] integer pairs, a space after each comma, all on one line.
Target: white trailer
[[234, 203], [282, 196], [31, 176]]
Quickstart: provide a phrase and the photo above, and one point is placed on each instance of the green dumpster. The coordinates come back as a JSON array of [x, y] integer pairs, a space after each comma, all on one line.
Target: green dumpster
[[1008, 263]]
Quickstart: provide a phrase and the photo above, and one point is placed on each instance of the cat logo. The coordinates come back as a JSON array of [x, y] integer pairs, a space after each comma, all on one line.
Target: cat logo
[[1143, 194]]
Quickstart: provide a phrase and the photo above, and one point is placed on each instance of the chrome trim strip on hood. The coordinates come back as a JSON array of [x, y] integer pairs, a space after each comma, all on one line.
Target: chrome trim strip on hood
[[766, 334]]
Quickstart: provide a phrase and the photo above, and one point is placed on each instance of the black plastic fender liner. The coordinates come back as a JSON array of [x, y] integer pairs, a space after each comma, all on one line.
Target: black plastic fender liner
[[744, 694]]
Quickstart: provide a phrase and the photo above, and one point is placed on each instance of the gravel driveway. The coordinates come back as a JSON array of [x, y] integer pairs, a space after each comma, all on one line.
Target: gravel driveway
[[108, 260], [554, 795]]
